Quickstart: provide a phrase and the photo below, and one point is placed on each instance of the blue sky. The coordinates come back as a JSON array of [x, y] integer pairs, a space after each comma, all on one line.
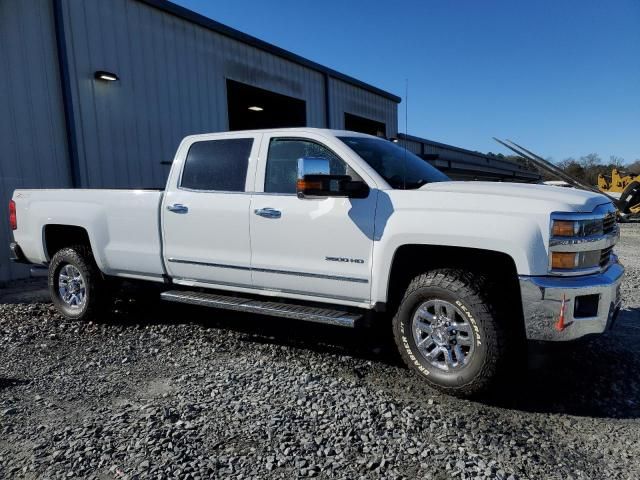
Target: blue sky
[[561, 77]]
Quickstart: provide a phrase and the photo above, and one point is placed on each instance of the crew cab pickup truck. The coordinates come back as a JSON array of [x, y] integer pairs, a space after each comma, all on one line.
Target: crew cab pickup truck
[[341, 227]]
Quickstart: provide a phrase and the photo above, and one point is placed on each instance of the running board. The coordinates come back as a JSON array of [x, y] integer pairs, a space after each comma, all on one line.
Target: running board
[[286, 310]]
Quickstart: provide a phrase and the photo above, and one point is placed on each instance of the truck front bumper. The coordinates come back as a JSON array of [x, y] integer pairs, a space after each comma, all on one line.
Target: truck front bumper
[[591, 304]]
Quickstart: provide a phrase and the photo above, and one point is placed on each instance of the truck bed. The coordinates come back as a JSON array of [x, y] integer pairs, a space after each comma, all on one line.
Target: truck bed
[[123, 226]]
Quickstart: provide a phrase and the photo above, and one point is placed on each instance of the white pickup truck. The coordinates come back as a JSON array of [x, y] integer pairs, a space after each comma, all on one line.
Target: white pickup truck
[[335, 227]]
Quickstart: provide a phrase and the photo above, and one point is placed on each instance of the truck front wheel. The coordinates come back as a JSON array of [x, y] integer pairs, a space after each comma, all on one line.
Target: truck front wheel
[[76, 284], [448, 331]]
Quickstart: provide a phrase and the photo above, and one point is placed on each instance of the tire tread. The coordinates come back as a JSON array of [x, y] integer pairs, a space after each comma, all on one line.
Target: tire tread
[[82, 257], [472, 289]]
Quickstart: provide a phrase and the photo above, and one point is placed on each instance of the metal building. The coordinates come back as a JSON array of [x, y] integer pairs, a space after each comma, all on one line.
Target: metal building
[[99, 93], [462, 164], [166, 72]]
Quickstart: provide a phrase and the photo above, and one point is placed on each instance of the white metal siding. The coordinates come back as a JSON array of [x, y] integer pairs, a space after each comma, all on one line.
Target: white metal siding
[[172, 83], [32, 128]]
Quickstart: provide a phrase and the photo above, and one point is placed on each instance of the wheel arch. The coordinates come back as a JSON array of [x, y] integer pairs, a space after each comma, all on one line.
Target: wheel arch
[[411, 260], [58, 236]]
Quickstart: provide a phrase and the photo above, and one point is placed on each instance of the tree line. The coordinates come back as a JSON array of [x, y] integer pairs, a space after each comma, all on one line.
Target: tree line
[[586, 168]]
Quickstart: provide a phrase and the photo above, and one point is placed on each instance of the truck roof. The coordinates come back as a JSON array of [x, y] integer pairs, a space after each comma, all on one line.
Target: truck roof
[[331, 132]]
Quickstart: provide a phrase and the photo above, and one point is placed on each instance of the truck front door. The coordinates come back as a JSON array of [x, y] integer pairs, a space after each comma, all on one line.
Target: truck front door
[[310, 247], [205, 212]]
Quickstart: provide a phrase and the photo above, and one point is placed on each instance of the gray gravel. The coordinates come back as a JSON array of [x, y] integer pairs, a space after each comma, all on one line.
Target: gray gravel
[[158, 391]]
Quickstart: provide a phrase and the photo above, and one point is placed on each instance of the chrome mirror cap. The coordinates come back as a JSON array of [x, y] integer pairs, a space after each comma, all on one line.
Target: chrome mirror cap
[[313, 166]]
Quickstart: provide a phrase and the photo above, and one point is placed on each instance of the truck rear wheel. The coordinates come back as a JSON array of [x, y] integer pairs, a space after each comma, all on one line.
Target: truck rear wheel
[[76, 284], [448, 331]]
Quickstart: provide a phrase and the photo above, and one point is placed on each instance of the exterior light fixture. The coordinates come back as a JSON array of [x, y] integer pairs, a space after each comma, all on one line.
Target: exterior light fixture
[[255, 108], [105, 76]]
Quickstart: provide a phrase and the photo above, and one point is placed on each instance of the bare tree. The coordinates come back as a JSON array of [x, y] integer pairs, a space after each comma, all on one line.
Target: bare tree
[[634, 167], [563, 164], [590, 165], [617, 162], [590, 161], [573, 167]]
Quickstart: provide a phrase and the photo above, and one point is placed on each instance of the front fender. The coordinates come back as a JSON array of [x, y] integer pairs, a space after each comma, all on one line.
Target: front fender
[[519, 237]]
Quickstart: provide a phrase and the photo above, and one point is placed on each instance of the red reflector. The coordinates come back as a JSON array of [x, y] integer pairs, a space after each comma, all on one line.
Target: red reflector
[[13, 218]]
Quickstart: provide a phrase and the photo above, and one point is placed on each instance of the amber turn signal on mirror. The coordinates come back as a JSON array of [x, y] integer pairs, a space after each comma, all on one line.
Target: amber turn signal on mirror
[[303, 185]]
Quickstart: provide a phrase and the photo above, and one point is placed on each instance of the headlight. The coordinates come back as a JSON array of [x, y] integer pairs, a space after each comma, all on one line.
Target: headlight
[[577, 228], [582, 243]]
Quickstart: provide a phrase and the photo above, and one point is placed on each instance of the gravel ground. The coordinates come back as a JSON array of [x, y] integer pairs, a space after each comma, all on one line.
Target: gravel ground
[[158, 390]]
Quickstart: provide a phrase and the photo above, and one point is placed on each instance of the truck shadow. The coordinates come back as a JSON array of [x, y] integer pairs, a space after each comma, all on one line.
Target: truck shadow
[[364, 343], [596, 377]]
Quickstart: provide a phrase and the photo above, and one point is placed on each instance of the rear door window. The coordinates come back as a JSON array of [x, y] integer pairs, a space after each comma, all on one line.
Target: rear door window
[[217, 165]]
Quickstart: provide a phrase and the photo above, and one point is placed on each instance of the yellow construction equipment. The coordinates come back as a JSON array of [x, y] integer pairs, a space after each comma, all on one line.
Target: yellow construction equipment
[[624, 187], [624, 192]]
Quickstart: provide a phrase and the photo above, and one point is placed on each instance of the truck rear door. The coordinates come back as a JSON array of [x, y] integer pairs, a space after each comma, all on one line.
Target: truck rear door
[[205, 212]]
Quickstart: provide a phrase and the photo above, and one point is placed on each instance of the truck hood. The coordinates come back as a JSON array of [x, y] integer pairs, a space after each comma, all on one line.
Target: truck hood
[[514, 194]]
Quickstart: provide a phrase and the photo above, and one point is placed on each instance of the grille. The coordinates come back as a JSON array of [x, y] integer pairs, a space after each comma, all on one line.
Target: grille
[[605, 256], [609, 223]]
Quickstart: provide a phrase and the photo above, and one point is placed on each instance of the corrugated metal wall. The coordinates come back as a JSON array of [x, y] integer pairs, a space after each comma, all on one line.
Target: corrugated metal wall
[[172, 83], [412, 146], [32, 129], [351, 99]]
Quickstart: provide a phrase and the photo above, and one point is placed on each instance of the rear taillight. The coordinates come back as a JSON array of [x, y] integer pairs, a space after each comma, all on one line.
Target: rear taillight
[[13, 218]]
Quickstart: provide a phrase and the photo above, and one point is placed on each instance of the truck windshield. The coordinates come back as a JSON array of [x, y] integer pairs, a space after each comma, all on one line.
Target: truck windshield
[[399, 167]]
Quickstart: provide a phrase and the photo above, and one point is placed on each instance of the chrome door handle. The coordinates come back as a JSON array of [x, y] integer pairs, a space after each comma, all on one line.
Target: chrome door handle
[[268, 212], [178, 208]]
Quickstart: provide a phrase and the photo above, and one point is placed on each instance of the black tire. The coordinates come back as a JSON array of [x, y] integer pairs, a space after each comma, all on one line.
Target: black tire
[[95, 286], [469, 294], [630, 197]]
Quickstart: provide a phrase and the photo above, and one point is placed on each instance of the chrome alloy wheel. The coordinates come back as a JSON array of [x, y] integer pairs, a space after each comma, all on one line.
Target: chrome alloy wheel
[[71, 286], [442, 334]]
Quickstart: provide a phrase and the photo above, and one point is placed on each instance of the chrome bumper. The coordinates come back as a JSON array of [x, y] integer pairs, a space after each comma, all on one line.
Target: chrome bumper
[[542, 299]]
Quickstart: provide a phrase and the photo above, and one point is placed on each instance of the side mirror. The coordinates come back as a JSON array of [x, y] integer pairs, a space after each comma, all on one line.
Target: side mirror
[[316, 181]]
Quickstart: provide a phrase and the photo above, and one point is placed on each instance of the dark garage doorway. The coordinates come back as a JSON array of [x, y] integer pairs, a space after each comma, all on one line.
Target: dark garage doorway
[[364, 125], [252, 108]]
